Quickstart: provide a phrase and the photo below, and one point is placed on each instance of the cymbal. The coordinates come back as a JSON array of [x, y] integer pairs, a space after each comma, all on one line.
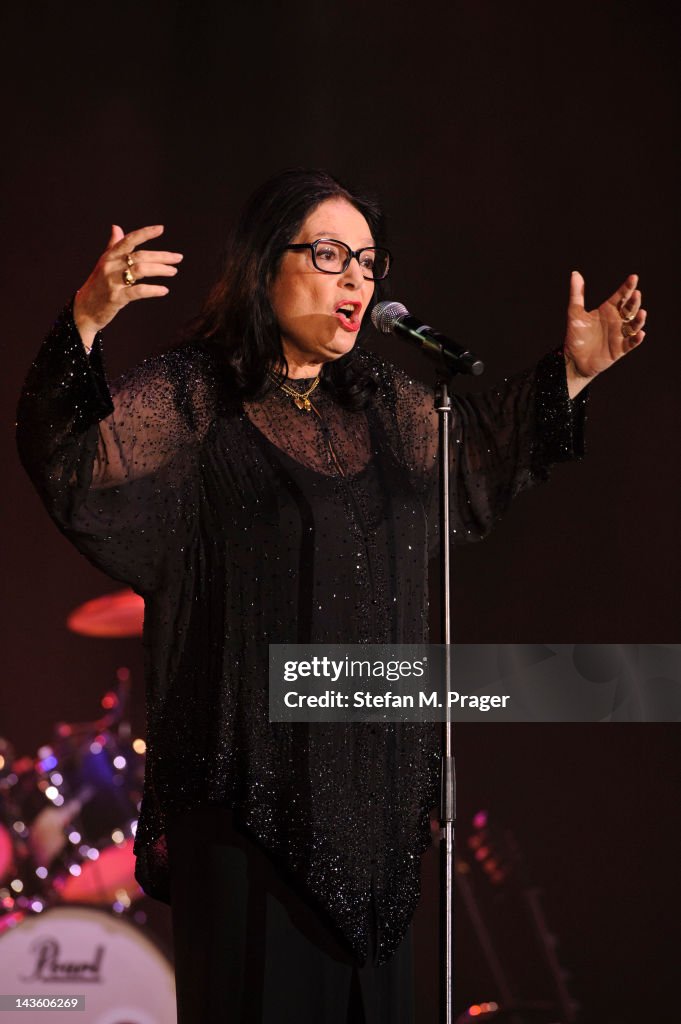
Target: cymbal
[[112, 615]]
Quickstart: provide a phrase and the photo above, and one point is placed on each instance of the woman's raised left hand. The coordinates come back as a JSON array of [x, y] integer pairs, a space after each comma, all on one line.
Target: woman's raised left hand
[[597, 339]]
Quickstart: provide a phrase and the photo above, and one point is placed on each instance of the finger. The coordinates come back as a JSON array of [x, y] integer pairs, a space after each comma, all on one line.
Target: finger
[[116, 235], [128, 242], [576, 289], [625, 291], [631, 307], [140, 270], [155, 256], [144, 291], [633, 342], [640, 319], [631, 331]]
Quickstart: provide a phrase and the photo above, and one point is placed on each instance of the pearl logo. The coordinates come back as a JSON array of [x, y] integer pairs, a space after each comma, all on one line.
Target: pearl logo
[[50, 967]]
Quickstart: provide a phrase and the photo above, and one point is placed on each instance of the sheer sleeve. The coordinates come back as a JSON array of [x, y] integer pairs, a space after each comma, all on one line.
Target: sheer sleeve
[[502, 441], [112, 464]]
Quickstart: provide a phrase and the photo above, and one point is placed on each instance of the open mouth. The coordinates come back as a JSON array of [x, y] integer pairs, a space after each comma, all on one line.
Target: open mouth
[[348, 315]]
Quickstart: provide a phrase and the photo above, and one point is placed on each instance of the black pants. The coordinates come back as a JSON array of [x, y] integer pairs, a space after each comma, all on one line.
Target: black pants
[[250, 950]]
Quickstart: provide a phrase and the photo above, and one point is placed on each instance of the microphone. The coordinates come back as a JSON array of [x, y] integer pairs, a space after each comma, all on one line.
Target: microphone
[[394, 318]]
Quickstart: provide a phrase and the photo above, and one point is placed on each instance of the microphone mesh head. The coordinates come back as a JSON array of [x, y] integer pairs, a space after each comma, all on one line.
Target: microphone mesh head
[[385, 315]]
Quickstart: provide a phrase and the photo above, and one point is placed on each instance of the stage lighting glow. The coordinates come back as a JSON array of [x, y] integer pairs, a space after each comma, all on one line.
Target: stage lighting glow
[[123, 897]]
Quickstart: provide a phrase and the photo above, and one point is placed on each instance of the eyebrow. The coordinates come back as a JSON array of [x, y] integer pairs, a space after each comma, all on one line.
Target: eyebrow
[[330, 234]]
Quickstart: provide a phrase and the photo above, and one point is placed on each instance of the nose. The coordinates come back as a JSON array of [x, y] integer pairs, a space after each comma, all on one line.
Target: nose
[[353, 274]]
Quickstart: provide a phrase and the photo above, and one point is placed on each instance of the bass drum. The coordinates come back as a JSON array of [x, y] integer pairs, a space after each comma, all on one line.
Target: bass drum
[[68, 951]]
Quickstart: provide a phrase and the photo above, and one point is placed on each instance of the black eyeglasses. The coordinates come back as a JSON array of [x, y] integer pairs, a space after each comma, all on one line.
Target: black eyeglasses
[[333, 257]]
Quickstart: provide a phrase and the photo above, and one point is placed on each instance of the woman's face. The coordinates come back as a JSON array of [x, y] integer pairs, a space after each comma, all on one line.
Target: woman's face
[[306, 301]]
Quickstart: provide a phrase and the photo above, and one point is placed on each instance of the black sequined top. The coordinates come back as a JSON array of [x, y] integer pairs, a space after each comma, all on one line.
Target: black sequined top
[[244, 524]]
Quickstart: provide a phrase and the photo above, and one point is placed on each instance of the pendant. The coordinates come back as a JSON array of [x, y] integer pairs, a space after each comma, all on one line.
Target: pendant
[[303, 403]]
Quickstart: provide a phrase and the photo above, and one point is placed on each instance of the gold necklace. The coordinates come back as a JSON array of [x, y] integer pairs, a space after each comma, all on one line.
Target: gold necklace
[[301, 398]]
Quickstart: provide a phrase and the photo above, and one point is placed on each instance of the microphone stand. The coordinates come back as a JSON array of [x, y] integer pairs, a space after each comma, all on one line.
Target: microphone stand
[[449, 365], [450, 362], [443, 407]]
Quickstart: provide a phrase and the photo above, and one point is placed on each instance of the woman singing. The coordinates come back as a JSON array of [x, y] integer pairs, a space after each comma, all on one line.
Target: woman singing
[[272, 481]]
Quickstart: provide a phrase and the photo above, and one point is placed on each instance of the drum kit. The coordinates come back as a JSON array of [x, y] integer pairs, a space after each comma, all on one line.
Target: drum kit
[[68, 895]]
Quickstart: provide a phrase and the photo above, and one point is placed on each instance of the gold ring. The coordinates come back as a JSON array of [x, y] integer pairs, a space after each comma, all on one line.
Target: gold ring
[[129, 260], [628, 331], [628, 317], [128, 279]]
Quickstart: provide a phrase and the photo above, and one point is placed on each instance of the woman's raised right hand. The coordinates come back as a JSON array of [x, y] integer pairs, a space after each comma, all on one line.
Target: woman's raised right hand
[[106, 290]]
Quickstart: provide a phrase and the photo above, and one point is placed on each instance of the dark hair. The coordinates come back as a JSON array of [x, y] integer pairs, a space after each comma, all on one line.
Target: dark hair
[[237, 319]]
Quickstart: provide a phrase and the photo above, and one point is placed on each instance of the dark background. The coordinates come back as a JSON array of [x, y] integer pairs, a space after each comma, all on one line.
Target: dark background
[[510, 143]]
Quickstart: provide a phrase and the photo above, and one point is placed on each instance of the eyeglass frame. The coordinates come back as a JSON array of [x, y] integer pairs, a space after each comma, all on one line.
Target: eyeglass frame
[[312, 246]]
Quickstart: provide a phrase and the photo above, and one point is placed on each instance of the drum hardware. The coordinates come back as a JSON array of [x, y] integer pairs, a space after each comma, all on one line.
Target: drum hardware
[[7, 861], [68, 817], [492, 879]]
